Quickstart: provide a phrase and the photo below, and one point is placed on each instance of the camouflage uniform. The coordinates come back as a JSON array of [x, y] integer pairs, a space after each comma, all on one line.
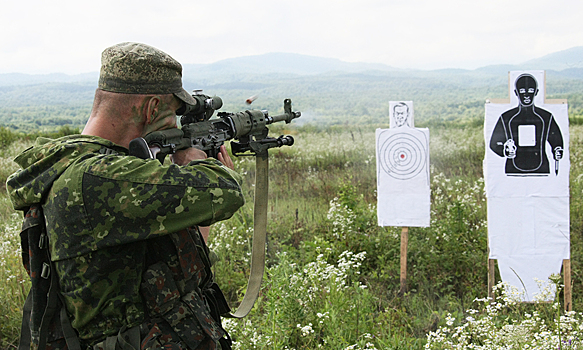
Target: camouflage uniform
[[111, 216], [123, 237]]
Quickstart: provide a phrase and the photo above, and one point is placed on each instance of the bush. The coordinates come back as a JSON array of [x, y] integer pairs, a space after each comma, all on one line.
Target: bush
[[504, 323], [7, 137]]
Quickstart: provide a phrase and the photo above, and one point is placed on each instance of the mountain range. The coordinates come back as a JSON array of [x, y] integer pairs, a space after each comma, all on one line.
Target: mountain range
[[327, 91], [566, 63]]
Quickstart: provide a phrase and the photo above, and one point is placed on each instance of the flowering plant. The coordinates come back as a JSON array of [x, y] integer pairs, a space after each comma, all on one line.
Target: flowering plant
[[504, 323]]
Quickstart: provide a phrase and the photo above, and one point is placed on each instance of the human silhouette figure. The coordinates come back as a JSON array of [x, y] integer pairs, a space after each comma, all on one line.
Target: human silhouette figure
[[521, 133]]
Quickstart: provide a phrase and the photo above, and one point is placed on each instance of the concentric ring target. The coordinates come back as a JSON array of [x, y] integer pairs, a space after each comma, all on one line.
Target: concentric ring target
[[403, 156]]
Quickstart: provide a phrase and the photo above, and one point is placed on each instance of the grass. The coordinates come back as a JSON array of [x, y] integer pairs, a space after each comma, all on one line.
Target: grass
[[14, 283], [332, 276]]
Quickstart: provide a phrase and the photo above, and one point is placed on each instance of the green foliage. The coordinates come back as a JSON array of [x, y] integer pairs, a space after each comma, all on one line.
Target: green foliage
[[332, 276], [442, 98], [447, 261], [8, 136], [505, 323], [310, 306], [235, 237], [451, 260], [330, 268], [14, 282]]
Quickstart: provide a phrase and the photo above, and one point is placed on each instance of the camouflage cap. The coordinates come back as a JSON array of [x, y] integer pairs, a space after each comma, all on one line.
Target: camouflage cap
[[134, 68]]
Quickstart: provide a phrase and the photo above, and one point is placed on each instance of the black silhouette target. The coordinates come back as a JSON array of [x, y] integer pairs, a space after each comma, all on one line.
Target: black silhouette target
[[403, 156]]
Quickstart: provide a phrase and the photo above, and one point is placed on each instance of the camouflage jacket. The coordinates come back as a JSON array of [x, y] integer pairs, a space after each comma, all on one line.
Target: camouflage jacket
[[104, 209]]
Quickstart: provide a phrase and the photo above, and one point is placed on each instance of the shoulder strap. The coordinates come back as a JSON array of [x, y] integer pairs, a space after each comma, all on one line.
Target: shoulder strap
[[43, 301], [24, 342], [70, 334]]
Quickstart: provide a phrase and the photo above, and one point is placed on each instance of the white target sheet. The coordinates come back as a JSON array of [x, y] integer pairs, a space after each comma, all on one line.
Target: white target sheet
[[403, 193], [526, 168]]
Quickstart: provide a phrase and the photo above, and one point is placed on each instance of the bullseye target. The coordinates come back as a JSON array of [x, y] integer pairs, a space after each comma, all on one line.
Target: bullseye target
[[403, 156]]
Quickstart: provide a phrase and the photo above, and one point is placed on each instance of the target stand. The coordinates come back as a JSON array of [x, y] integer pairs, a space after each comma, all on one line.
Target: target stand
[[403, 191], [512, 101], [403, 158]]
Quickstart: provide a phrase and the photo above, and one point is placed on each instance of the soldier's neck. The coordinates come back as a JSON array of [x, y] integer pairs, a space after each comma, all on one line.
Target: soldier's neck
[[114, 130]]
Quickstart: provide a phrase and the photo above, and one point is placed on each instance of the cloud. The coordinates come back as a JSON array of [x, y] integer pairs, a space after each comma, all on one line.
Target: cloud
[[68, 36]]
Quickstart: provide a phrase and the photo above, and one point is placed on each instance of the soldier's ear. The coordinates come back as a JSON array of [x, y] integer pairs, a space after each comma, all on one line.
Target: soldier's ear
[[152, 107]]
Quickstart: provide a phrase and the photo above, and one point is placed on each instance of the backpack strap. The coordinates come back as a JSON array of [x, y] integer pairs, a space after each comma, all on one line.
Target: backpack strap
[[25, 339], [125, 339], [52, 305], [70, 334], [43, 301]]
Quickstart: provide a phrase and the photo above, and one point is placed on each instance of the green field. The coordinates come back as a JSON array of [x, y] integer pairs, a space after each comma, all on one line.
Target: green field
[[332, 276]]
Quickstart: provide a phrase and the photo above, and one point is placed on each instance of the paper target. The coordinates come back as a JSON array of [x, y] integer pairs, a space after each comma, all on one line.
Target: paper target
[[403, 156]]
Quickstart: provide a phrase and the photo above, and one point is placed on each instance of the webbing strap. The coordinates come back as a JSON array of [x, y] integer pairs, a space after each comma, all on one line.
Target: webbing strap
[[132, 342], [51, 308], [68, 332], [24, 342], [259, 237], [125, 339], [36, 244]]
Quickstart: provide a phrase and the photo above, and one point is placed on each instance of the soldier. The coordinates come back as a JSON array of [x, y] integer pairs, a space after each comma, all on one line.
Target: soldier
[[132, 265]]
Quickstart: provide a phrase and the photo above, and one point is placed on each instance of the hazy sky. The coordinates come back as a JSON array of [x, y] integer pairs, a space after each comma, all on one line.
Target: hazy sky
[[68, 35]]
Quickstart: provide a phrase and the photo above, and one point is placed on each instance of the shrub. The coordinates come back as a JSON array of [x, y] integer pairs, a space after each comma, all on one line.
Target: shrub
[[504, 323]]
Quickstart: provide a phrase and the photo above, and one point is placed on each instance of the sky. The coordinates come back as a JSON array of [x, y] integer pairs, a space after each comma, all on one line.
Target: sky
[[68, 36]]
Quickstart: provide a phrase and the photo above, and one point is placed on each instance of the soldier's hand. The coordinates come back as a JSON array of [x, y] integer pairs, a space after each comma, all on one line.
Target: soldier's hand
[[224, 158], [185, 156]]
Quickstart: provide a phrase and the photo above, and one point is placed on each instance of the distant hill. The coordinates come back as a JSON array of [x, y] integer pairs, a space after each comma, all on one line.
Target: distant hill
[[562, 60], [282, 63], [327, 91], [568, 63], [10, 79], [295, 64]]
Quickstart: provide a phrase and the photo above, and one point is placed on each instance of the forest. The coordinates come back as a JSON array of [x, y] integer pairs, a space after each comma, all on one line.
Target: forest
[[336, 98]]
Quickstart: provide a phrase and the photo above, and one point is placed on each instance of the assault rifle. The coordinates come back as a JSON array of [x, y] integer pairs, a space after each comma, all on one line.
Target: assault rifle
[[248, 128]]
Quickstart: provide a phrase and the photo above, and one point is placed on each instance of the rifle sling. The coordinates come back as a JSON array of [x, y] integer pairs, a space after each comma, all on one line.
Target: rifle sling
[[259, 236]]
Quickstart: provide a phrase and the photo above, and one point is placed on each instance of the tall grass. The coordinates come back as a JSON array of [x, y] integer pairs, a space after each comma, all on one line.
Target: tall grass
[[14, 283], [323, 207], [332, 276]]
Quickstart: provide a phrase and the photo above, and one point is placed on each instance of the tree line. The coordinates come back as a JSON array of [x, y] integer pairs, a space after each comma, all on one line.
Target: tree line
[[326, 99]]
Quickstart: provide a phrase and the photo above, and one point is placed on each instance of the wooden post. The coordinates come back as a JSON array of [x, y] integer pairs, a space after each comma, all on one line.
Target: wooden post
[[404, 243], [567, 281], [491, 277]]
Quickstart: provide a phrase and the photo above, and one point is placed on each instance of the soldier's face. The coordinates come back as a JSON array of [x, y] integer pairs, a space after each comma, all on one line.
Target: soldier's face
[[168, 113]]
